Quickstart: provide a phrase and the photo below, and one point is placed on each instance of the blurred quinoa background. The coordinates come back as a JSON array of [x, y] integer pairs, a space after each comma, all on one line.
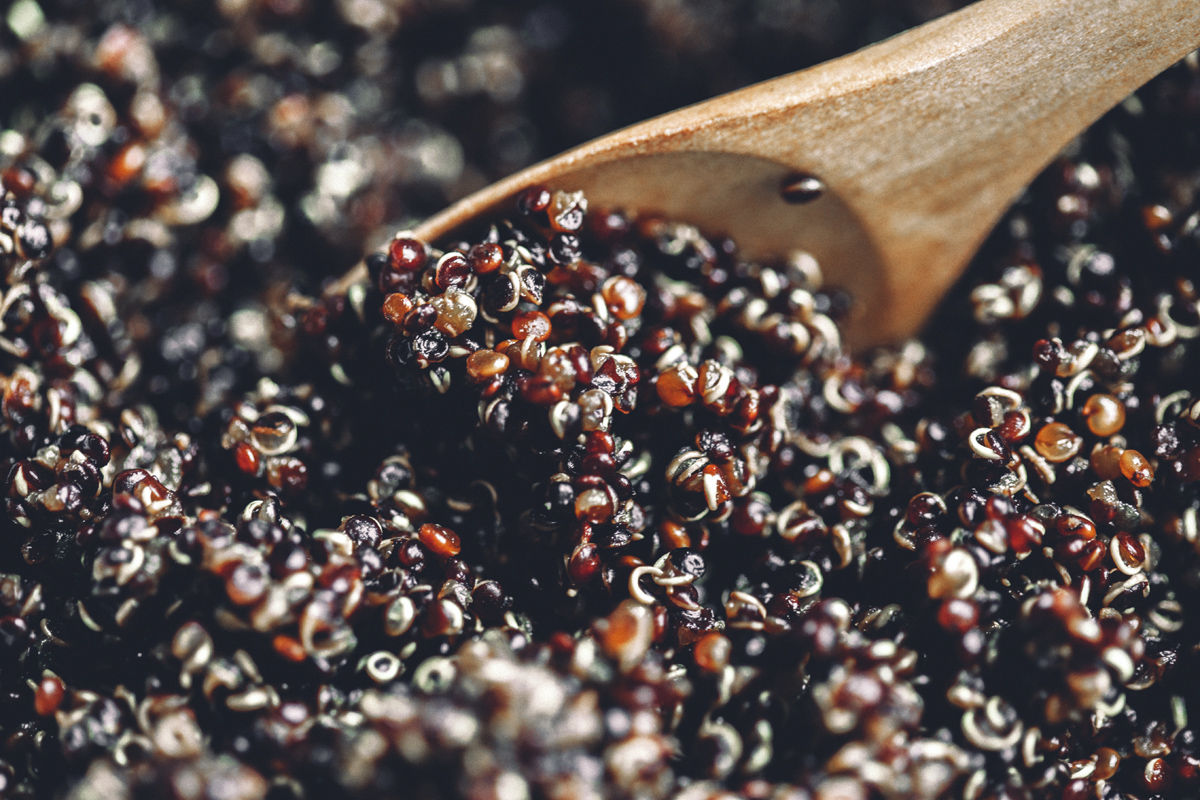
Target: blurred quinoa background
[[260, 543]]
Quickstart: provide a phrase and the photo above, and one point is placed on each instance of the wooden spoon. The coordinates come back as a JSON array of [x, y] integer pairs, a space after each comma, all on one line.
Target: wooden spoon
[[921, 142]]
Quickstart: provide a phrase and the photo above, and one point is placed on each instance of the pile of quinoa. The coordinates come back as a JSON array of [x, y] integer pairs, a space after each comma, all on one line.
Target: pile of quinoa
[[585, 505]]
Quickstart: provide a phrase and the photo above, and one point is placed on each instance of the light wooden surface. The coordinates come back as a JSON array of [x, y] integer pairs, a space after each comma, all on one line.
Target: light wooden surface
[[922, 141]]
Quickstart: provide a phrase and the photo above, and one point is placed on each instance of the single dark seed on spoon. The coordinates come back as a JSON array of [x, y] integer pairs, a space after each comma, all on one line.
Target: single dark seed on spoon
[[800, 188]]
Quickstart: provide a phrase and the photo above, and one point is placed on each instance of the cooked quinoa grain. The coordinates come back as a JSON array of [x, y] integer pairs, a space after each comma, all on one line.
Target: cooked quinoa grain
[[586, 504]]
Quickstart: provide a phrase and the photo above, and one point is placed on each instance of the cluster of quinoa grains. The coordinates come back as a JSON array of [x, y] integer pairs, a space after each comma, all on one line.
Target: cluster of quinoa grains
[[585, 505]]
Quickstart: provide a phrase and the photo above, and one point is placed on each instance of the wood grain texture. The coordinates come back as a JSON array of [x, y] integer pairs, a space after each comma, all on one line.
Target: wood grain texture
[[923, 141]]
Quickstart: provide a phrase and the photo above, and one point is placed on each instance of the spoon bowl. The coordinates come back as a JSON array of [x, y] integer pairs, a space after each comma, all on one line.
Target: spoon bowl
[[907, 152]]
